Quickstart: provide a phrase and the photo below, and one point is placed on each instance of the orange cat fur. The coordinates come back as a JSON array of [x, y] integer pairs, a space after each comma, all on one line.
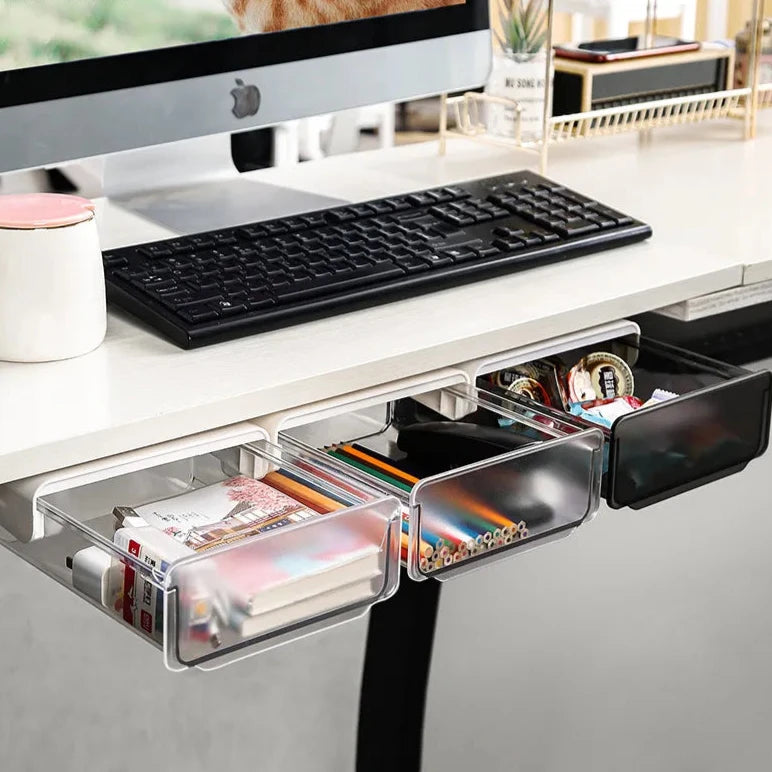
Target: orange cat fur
[[275, 15]]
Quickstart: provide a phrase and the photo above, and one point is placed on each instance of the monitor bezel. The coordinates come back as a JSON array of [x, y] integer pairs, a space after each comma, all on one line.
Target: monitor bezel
[[82, 77]]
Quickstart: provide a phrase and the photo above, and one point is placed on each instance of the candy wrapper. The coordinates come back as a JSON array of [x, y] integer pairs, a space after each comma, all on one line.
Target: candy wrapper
[[605, 411], [659, 395]]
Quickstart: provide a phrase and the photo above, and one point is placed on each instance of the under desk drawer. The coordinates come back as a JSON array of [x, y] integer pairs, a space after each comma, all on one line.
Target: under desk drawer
[[717, 424], [489, 482], [307, 567]]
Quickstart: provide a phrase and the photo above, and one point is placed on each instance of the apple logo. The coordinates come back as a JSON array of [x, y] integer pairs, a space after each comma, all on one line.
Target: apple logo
[[246, 99]]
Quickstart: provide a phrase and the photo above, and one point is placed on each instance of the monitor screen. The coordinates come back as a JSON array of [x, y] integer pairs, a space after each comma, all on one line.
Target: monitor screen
[[44, 32], [81, 78]]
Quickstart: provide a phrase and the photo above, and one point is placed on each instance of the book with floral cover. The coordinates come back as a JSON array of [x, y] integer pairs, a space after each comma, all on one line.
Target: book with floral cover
[[335, 560], [219, 514]]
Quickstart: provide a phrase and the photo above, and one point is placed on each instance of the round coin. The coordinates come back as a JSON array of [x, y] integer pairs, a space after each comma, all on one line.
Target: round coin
[[600, 375], [530, 388]]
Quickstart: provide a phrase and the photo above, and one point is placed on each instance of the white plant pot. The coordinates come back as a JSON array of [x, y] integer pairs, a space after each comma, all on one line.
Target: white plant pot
[[520, 79]]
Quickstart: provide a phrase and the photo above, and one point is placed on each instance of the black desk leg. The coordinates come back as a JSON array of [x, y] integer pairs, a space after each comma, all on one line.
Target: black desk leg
[[395, 679]]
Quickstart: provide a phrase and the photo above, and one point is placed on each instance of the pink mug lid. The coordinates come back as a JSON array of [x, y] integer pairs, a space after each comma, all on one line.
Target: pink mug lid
[[43, 210]]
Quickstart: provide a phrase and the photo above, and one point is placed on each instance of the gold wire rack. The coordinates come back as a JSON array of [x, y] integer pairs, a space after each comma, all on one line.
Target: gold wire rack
[[469, 109]]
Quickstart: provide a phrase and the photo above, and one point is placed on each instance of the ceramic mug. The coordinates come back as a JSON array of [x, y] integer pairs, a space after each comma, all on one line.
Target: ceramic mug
[[52, 289]]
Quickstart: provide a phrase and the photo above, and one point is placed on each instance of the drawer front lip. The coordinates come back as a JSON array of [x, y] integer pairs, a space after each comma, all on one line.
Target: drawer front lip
[[247, 648], [631, 423], [588, 443], [387, 583]]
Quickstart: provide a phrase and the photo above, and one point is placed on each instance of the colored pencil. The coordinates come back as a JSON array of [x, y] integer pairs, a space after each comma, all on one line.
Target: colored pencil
[[322, 474], [369, 470], [427, 535], [478, 508], [380, 457], [425, 548], [450, 534], [303, 494], [378, 464], [316, 485]]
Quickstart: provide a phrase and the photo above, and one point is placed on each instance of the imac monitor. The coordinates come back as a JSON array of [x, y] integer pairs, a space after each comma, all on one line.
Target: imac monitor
[[80, 78]]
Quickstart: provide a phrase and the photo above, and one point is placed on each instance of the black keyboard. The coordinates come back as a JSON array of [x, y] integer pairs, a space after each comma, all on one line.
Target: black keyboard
[[225, 284]]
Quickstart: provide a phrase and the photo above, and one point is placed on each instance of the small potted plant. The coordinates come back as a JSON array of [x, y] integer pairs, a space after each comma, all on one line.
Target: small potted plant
[[519, 69]]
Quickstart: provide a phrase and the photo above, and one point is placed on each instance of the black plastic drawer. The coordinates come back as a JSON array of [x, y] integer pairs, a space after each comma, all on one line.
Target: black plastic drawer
[[718, 423]]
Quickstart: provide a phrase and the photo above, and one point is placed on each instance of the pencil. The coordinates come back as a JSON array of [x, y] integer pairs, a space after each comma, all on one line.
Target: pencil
[[388, 468], [426, 535], [315, 485], [404, 541], [402, 464], [425, 548], [303, 494], [306, 466], [480, 509], [369, 470], [453, 535]]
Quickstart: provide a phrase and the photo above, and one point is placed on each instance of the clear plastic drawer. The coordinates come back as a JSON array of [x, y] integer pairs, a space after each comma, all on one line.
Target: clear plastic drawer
[[241, 589], [483, 480]]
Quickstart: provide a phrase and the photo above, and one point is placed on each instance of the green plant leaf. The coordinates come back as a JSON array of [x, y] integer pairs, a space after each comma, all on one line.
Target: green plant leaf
[[537, 44]]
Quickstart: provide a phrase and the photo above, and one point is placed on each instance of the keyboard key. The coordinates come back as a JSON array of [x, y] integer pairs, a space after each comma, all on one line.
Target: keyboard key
[[545, 235], [155, 250], [421, 199], [363, 276], [576, 227], [381, 207], [442, 195], [414, 264], [224, 238], [491, 251], [508, 233], [198, 315], [577, 197], [295, 224], [604, 221], [201, 242], [228, 308], [460, 254], [509, 245], [397, 204], [435, 259], [339, 215], [455, 192], [179, 246], [275, 228], [362, 210], [115, 261], [259, 301], [314, 220], [618, 217]]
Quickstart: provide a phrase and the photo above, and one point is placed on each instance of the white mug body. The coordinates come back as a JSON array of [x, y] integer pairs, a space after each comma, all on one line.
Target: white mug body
[[52, 292]]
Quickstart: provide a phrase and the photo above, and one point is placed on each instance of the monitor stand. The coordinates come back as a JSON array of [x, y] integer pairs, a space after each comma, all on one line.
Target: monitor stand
[[190, 186]]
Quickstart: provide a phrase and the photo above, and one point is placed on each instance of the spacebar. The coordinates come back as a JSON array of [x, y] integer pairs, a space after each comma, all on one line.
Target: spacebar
[[332, 284]]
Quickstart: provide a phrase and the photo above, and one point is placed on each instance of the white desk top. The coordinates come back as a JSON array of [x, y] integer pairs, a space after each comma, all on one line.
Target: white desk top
[[692, 185]]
